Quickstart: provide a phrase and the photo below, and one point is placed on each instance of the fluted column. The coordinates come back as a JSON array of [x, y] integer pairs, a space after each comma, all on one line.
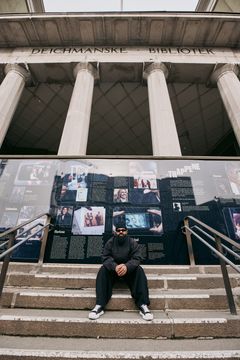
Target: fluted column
[[10, 92], [165, 140], [229, 88], [75, 133]]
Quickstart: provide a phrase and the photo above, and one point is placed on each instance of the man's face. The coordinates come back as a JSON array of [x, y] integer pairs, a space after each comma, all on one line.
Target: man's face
[[121, 232]]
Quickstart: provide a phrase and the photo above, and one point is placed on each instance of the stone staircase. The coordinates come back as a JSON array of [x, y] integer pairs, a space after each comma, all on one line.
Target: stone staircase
[[44, 315]]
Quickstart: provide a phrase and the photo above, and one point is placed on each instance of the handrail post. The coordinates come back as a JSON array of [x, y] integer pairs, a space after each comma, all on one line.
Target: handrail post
[[6, 263], [189, 242], [226, 280], [44, 240]]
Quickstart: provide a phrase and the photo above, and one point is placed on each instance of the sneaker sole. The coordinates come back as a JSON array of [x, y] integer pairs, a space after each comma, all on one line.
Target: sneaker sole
[[95, 316], [145, 316]]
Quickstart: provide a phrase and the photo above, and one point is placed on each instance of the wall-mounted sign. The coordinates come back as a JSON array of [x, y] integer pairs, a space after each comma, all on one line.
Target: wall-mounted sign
[[120, 54]]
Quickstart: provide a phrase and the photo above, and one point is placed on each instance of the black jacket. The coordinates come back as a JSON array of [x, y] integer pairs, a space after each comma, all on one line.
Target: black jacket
[[128, 253]]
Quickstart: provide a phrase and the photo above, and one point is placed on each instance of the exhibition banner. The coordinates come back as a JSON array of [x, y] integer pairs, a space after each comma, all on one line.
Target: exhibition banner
[[88, 197]]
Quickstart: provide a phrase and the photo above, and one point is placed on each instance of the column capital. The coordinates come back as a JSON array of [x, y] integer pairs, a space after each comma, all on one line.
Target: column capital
[[86, 66], [155, 66], [20, 70], [222, 70]]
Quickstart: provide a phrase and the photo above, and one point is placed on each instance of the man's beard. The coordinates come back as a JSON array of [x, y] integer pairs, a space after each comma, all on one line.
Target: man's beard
[[121, 240]]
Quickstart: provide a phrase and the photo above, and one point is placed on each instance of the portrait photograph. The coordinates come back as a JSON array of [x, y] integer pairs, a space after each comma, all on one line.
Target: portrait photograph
[[120, 195], [89, 221]]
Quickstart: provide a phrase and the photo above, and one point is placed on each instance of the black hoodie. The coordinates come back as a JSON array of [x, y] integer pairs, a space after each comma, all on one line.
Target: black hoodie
[[123, 250]]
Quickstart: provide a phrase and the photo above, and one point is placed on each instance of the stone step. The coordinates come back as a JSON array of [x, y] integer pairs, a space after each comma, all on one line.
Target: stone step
[[153, 269], [93, 268], [119, 324], [44, 348], [76, 281], [121, 299]]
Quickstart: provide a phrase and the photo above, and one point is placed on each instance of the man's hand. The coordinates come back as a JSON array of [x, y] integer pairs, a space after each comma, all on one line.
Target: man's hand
[[121, 269]]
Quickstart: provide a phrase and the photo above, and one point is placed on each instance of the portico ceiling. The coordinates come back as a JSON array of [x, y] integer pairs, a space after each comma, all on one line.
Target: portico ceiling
[[160, 28]]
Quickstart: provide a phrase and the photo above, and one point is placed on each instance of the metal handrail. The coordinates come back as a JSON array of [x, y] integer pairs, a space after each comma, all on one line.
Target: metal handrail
[[15, 228], [218, 251], [213, 239], [11, 246], [10, 250]]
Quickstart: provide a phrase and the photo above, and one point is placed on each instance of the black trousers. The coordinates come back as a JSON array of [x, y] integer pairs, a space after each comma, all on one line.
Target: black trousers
[[136, 281]]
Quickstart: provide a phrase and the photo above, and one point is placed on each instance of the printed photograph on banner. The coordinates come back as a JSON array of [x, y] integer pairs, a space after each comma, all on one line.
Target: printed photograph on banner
[[33, 230], [74, 183], [177, 206], [145, 181], [120, 195], [233, 173], [36, 173], [144, 188], [139, 220], [232, 220], [89, 220], [81, 194], [236, 223], [76, 177], [64, 216]]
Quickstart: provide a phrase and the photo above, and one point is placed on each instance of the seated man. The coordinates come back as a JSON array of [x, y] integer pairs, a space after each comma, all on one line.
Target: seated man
[[121, 259]]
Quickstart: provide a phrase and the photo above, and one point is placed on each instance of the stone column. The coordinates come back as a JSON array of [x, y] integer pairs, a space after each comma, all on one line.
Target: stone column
[[10, 92], [165, 140], [75, 133], [229, 87]]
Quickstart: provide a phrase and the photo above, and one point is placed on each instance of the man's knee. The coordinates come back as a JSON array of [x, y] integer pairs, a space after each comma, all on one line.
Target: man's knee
[[103, 272], [140, 271]]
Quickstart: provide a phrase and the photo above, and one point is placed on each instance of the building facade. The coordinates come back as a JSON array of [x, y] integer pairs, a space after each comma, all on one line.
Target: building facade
[[122, 59]]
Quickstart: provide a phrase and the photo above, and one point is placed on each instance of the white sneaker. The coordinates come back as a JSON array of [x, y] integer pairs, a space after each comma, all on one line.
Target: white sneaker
[[96, 312], [145, 313]]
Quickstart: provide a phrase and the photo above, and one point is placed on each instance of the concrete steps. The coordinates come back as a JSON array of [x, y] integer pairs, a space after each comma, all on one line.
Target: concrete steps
[[80, 276], [76, 281], [93, 268], [73, 287], [42, 348], [121, 300], [47, 306], [119, 324]]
